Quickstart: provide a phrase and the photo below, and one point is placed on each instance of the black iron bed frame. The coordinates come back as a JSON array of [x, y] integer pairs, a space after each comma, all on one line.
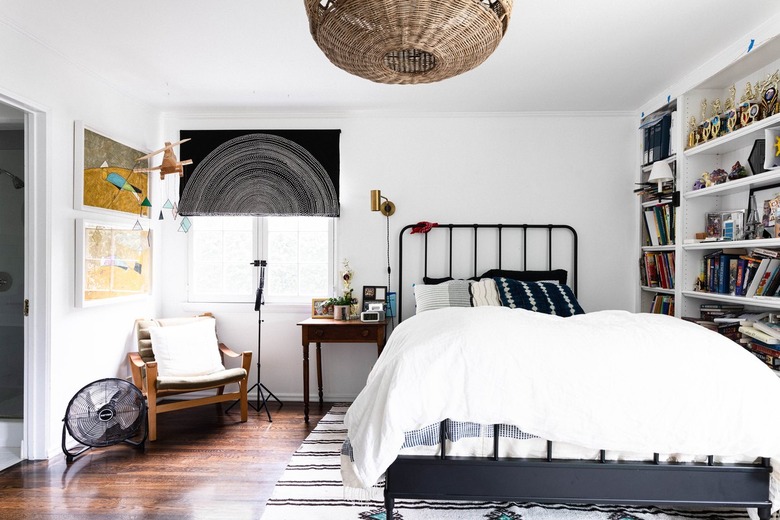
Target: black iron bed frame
[[564, 481]]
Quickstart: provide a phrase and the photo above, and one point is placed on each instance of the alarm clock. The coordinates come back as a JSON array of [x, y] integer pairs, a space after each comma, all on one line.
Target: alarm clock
[[372, 316]]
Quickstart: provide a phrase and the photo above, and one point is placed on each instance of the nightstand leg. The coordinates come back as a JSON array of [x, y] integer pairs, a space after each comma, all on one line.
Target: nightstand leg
[[306, 382], [319, 372]]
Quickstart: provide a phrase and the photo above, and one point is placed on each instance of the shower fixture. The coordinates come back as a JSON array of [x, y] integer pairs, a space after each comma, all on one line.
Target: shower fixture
[[18, 183]]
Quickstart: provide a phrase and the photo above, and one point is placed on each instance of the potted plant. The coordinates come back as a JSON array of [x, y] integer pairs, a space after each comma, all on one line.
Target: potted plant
[[341, 305]]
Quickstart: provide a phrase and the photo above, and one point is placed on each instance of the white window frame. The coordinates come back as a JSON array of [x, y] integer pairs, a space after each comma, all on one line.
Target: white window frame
[[260, 246]]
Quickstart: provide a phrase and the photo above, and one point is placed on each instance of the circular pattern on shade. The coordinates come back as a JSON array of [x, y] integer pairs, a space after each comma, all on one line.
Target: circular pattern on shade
[[408, 41], [260, 175]]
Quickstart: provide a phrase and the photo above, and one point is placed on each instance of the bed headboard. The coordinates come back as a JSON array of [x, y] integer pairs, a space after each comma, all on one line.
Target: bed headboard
[[468, 250]]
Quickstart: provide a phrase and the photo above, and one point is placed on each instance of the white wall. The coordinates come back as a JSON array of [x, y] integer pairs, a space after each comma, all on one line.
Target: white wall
[[85, 344], [575, 169]]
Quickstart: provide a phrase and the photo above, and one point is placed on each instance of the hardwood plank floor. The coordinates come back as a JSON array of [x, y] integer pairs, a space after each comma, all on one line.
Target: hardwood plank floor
[[203, 466]]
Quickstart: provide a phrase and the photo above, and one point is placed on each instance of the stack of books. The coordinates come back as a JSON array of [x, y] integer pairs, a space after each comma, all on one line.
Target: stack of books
[[761, 337]]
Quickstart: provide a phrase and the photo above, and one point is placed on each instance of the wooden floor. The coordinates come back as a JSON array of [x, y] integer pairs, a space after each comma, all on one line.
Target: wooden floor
[[203, 466]]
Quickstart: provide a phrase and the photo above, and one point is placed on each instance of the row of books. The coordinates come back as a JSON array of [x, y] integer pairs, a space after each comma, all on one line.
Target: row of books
[[736, 273], [761, 337], [662, 304], [723, 318], [657, 136], [656, 269], [659, 225]]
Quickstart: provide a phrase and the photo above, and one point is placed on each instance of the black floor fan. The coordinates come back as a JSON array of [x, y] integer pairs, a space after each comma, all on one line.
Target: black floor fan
[[103, 413], [262, 390]]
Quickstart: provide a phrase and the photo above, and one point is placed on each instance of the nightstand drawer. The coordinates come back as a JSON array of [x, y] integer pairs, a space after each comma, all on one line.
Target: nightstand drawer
[[345, 333]]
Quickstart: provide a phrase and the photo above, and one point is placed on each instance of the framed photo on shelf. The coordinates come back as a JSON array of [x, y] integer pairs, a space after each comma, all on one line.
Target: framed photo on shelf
[[104, 178], [713, 228], [732, 224], [113, 262], [320, 308], [374, 294], [767, 202]]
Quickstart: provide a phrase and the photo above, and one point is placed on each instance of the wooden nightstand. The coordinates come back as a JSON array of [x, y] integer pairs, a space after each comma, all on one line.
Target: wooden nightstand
[[322, 330]]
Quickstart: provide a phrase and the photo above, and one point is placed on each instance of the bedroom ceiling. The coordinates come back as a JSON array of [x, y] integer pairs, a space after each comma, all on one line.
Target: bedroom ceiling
[[259, 55]]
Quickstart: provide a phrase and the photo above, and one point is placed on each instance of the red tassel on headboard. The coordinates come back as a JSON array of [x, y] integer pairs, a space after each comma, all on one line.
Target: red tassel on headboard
[[423, 227]]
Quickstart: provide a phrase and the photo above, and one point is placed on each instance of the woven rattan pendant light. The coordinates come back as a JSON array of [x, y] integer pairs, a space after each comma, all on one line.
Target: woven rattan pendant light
[[408, 41]]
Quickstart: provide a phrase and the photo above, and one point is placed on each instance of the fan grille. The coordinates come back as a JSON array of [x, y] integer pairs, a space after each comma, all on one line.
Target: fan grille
[[105, 412]]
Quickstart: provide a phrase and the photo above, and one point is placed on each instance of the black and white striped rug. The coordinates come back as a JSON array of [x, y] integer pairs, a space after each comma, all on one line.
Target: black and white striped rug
[[310, 489]]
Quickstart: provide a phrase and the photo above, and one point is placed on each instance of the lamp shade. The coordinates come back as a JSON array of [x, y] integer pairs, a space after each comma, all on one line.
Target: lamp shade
[[408, 41], [660, 173]]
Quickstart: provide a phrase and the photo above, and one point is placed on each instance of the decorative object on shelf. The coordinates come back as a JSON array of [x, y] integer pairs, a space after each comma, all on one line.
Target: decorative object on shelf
[[661, 173], [756, 157], [737, 172], [346, 279], [703, 181], [405, 41], [718, 176], [767, 199], [704, 126], [753, 227]]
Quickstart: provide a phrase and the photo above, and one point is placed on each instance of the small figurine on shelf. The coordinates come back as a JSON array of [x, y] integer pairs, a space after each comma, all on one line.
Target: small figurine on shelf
[[746, 105], [753, 228], [769, 96], [704, 126], [737, 172], [703, 181]]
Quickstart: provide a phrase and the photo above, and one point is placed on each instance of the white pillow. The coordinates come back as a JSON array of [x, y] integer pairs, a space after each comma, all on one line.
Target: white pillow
[[186, 350]]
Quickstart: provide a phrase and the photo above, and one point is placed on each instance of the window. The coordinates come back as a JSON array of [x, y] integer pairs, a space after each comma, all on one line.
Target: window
[[298, 251]]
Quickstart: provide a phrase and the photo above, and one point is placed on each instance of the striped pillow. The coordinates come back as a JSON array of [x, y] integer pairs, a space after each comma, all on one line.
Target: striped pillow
[[484, 292], [546, 297], [449, 294]]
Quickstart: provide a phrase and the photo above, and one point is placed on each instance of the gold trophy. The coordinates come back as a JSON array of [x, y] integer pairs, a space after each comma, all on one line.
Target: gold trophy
[[693, 138], [769, 95], [705, 123], [731, 112], [744, 107], [715, 120]]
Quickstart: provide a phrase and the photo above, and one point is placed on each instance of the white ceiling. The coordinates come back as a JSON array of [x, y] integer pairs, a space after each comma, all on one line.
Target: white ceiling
[[259, 55]]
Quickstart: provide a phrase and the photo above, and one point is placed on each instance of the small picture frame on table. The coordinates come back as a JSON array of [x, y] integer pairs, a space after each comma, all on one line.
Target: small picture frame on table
[[374, 294], [320, 308]]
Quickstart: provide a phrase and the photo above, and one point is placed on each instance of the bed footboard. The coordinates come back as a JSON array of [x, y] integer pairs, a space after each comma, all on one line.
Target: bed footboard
[[662, 484]]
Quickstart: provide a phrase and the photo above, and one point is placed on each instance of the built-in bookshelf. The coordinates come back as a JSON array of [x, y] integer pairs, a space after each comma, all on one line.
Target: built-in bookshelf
[[695, 207]]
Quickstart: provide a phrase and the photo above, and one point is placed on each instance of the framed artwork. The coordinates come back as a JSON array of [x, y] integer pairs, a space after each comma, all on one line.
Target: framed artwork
[[104, 179], [320, 308], [374, 294], [767, 202], [113, 262]]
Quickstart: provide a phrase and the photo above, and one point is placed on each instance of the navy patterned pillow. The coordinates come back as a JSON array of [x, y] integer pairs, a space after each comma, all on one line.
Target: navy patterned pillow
[[546, 297]]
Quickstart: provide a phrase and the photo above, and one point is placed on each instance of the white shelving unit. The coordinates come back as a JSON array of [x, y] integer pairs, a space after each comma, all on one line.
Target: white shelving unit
[[721, 152]]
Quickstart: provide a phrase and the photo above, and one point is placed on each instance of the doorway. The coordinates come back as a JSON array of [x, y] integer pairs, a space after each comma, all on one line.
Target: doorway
[[12, 276]]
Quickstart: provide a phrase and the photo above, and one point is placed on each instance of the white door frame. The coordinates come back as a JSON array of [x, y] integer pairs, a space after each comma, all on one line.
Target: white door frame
[[37, 285]]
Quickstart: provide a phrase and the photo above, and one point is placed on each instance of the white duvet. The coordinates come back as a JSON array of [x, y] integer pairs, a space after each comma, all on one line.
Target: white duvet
[[604, 380]]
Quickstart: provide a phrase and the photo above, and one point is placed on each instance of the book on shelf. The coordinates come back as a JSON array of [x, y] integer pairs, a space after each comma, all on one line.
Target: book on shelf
[[659, 224], [767, 253], [768, 327], [657, 269], [662, 304], [754, 333], [771, 358]]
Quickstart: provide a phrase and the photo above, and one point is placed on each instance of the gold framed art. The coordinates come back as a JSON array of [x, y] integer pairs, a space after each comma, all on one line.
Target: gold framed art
[[104, 180], [113, 262]]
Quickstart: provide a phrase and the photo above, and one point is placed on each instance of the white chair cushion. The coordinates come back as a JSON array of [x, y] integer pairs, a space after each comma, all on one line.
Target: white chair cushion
[[189, 349]]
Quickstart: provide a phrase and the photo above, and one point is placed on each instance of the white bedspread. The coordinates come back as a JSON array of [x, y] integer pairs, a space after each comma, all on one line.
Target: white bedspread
[[604, 380]]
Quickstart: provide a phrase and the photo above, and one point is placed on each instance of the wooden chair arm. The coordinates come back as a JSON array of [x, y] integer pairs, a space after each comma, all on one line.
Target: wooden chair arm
[[246, 356], [136, 369]]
